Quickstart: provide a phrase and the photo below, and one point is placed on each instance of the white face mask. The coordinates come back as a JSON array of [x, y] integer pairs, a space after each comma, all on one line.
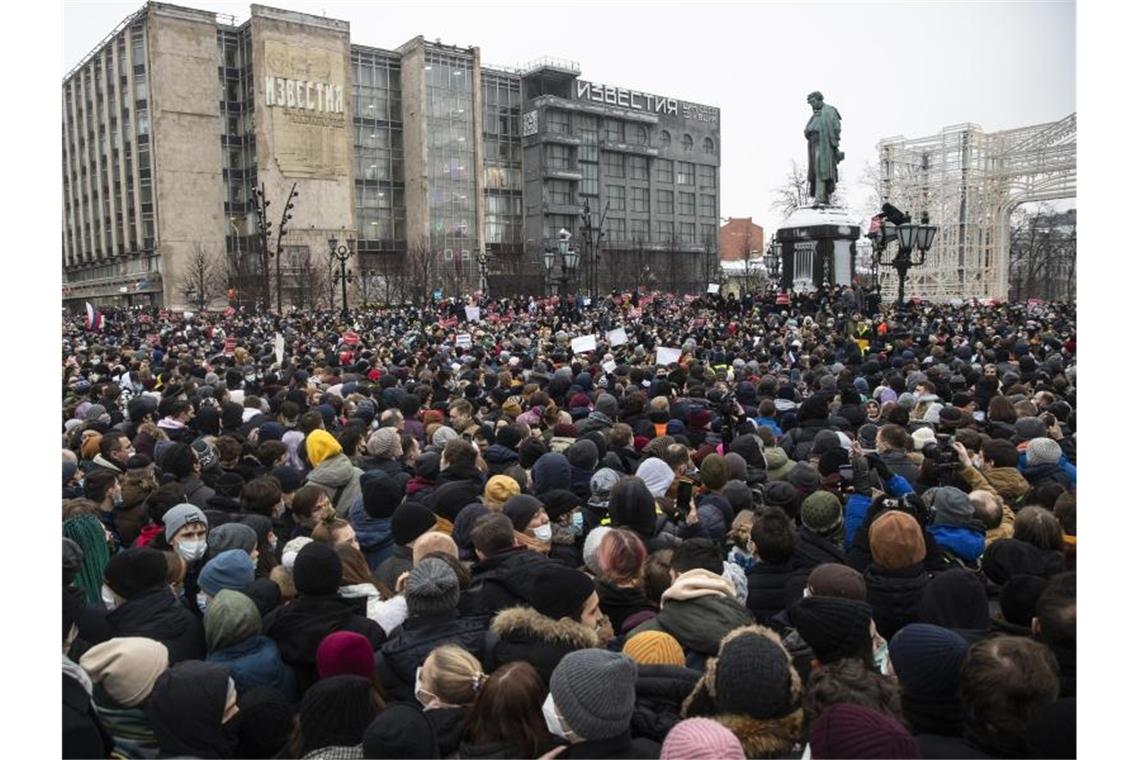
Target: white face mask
[[423, 696], [554, 722], [543, 533], [191, 550], [109, 598], [203, 600]]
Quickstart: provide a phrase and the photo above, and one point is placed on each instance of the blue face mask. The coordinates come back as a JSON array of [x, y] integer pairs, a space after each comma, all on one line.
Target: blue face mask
[[577, 522]]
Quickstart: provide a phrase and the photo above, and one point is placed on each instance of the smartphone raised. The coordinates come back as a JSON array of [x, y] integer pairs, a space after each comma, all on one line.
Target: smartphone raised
[[684, 496]]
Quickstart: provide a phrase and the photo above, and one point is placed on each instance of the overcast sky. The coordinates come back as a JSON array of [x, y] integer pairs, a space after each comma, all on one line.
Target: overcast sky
[[904, 68]]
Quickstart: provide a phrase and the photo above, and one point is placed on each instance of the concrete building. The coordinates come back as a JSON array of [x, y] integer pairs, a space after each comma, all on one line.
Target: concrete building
[[422, 156]]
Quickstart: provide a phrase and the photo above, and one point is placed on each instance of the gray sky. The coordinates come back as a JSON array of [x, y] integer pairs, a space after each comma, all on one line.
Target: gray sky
[[905, 68]]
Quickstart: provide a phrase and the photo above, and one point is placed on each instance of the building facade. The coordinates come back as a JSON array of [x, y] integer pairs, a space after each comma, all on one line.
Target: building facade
[[741, 239], [424, 160]]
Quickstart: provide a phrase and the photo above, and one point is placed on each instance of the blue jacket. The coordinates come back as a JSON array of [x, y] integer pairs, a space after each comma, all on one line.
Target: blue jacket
[[770, 422], [858, 504], [257, 662], [965, 543], [1068, 469], [373, 534]]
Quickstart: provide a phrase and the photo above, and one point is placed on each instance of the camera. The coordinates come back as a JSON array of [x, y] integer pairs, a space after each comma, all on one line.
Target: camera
[[941, 454]]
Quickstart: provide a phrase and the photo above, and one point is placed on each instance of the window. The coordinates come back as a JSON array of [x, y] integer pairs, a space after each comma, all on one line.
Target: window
[[803, 261], [639, 230], [558, 121], [707, 177], [639, 199], [708, 234], [589, 183], [559, 192], [686, 173], [710, 146], [665, 202], [615, 229], [614, 164], [641, 134], [688, 232], [664, 171], [708, 205], [663, 232], [665, 138], [687, 143], [558, 157], [615, 194], [638, 167], [614, 131], [687, 203]]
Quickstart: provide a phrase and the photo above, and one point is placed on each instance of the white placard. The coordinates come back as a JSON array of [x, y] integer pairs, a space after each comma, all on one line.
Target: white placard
[[713, 288], [609, 366], [279, 347], [463, 340], [472, 313], [617, 337], [583, 344], [667, 356], [587, 301], [188, 315]]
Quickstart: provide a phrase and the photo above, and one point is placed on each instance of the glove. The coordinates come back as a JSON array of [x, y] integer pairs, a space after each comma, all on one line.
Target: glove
[[881, 469], [861, 476]]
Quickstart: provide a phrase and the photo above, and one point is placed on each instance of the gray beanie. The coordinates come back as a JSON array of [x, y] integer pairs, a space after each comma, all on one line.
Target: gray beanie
[[593, 690], [207, 453], [95, 411], [951, 505], [907, 401], [181, 515], [607, 405], [1028, 428], [442, 435], [432, 588], [385, 443], [231, 536], [1042, 451]]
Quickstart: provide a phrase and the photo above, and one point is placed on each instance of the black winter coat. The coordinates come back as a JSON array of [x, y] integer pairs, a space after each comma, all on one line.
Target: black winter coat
[[895, 596], [522, 633], [620, 603], [411, 642], [661, 689], [447, 724], [157, 615], [813, 550], [766, 584], [83, 733], [623, 746], [506, 579]]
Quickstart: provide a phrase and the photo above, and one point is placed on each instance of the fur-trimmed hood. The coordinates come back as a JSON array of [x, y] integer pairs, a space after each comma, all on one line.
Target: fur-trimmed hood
[[762, 738], [533, 624]]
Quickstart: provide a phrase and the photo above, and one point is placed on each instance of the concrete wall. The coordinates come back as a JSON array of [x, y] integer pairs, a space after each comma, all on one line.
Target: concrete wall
[[185, 132], [413, 112]]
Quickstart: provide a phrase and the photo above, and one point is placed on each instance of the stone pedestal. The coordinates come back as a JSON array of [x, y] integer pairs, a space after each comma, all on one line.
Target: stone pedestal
[[817, 247]]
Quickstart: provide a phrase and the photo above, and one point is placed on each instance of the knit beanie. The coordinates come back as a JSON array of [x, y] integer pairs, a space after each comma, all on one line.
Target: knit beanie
[[1042, 451], [499, 488], [558, 591], [551, 471], [530, 451], [582, 454], [784, 495], [320, 445], [701, 739], [385, 444], [126, 667], [231, 569], [821, 512], [134, 571], [804, 477], [594, 692], [442, 435], [266, 722], [753, 677], [317, 570], [335, 711], [181, 515], [846, 730], [432, 588], [657, 476], [833, 579], [206, 452], [231, 536], [292, 549], [410, 521], [928, 659], [833, 627], [400, 732], [896, 540], [230, 618], [922, 436], [1007, 557], [345, 653], [1028, 428], [654, 648], [607, 405], [951, 505], [521, 509], [590, 548], [381, 496], [1019, 598], [289, 478], [737, 467]]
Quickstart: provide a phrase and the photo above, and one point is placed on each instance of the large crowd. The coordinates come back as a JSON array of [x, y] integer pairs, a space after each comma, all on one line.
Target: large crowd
[[645, 525]]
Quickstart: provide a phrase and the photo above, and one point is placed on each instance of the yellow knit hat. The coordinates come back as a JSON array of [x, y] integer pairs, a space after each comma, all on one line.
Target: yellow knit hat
[[654, 648], [320, 445], [498, 489]]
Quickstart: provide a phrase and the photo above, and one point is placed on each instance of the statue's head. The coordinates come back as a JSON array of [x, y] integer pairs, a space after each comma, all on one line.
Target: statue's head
[[815, 99]]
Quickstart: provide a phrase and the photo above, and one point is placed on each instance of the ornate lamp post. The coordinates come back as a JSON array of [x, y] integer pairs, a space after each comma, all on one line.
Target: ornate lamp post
[[548, 262], [914, 240], [772, 264], [569, 258], [342, 253], [481, 257]]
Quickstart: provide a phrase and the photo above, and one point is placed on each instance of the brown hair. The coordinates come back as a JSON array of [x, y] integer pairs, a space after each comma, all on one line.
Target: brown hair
[[326, 532], [894, 436], [305, 500], [1039, 527], [1001, 410], [850, 681], [509, 708], [1004, 679], [283, 577], [354, 569], [656, 572]]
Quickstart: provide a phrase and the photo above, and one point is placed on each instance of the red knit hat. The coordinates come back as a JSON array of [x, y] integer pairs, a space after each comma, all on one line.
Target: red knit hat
[[846, 730], [344, 653]]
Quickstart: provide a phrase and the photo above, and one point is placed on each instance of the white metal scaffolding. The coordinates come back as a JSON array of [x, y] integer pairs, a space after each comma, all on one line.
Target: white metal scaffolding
[[969, 181]]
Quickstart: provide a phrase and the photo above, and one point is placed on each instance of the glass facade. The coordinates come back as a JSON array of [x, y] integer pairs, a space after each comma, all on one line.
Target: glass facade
[[502, 162], [378, 152], [239, 144], [450, 130]]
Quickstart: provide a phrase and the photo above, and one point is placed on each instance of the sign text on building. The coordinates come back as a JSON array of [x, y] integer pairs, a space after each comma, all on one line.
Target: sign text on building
[[644, 101], [300, 93]]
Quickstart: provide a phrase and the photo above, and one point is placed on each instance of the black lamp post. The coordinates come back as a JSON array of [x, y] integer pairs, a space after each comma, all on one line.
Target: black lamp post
[[914, 240], [481, 257], [569, 258], [548, 263], [342, 253], [772, 263]]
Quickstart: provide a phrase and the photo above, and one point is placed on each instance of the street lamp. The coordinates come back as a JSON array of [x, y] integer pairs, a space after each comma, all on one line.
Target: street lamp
[[342, 253], [772, 263], [569, 257], [914, 240], [548, 262], [481, 257]]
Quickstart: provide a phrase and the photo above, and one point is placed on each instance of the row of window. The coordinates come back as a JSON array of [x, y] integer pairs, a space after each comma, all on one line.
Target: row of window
[[559, 121], [619, 230]]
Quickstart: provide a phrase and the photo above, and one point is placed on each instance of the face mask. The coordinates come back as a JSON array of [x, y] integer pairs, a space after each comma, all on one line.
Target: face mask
[[576, 522], [191, 550], [109, 598], [424, 697], [554, 722], [881, 658], [117, 502], [203, 600], [543, 533]]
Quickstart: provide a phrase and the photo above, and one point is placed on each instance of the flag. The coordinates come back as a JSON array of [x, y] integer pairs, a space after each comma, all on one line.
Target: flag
[[94, 318]]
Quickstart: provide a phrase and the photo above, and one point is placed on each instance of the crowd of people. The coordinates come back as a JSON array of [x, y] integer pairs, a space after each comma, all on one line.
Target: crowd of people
[[644, 526]]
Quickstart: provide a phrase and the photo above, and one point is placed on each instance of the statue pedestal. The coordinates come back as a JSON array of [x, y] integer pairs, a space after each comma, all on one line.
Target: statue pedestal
[[817, 247]]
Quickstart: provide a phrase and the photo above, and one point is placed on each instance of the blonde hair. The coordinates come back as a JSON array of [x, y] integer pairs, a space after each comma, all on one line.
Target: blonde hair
[[457, 676]]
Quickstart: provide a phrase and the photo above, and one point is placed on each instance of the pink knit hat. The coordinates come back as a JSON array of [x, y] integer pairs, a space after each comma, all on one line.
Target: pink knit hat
[[701, 739], [345, 653]]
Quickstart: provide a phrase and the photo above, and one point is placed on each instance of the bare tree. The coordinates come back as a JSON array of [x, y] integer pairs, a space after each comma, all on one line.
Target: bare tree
[[1042, 256], [793, 192], [203, 275], [421, 271]]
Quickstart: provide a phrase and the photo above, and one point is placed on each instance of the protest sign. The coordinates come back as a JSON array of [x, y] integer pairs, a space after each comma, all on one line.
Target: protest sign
[[617, 337], [583, 344], [667, 356]]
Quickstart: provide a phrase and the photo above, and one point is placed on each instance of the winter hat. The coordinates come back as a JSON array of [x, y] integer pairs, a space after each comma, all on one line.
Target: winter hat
[[410, 521], [134, 571], [896, 540], [290, 478], [499, 488], [266, 722], [657, 476], [558, 591], [181, 515], [867, 435], [530, 451], [317, 570], [95, 412], [737, 467], [747, 447], [521, 509], [833, 627], [654, 648], [1008, 557], [447, 500], [590, 548], [270, 431], [206, 452], [230, 618], [550, 472], [320, 445], [922, 437], [427, 465], [126, 667], [292, 548], [928, 659], [821, 512], [754, 676], [777, 463], [951, 505], [1042, 451], [835, 580], [231, 536], [1019, 598], [804, 478], [464, 524], [846, 730], [825, 441], [955, 598], [345, 653], [432, 588], [607, 405], [594, 692], [783, 495], [385, 444], [400, 732], [582, 454], [1028, 428], [442, 435], [701, 739], [335, 712], [738, 495], [907, 400], [601, 485], [69, 469], [231, 569], [381, 497]]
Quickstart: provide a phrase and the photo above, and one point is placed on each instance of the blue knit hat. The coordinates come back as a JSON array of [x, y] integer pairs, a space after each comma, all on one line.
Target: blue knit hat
[[928, 659], [231, 569]]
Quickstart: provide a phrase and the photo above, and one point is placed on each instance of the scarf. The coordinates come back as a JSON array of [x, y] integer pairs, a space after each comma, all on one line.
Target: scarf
[[542, 547]]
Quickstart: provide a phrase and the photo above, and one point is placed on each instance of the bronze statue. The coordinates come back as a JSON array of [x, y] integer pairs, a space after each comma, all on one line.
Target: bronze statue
[[824, 155]]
